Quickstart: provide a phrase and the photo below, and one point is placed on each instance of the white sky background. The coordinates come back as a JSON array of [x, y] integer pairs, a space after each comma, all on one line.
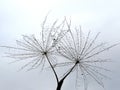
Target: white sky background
[[19, 17]]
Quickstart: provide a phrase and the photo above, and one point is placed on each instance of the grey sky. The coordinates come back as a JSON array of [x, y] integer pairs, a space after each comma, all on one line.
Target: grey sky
[[19, 17]]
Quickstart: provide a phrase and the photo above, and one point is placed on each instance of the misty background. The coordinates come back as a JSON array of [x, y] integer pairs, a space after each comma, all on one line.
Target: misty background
[[24, 17]]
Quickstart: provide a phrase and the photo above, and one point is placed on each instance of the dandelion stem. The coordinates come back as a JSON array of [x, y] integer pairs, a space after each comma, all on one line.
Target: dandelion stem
[[60, 83], [53, 69]]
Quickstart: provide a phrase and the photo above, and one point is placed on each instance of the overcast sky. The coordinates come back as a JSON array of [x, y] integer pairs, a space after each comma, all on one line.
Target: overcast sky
[[19, 17]]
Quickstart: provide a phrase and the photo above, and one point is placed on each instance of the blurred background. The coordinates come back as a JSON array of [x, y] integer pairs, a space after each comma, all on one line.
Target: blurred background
[[24, 17]]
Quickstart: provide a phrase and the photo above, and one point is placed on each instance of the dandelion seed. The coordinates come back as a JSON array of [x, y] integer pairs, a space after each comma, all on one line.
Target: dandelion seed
[[81, 50], [36, 50]]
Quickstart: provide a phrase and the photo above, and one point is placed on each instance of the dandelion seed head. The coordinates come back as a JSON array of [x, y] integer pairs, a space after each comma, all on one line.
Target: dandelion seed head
[[83, 51], [80, 50], [34, 50]]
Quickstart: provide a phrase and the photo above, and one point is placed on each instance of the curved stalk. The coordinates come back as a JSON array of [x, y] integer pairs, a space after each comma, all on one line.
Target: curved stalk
[[53, 69], [60, 83]]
